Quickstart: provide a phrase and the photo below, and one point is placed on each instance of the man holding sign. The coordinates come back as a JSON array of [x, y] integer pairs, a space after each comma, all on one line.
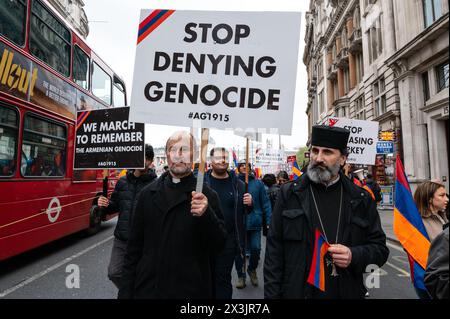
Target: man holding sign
[[176, 232]]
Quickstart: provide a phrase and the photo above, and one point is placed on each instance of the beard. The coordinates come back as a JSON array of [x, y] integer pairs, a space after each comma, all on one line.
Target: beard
[[180, 170], [321, 174]]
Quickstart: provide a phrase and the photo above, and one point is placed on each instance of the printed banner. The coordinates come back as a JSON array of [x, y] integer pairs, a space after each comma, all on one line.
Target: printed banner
[[106, 139]]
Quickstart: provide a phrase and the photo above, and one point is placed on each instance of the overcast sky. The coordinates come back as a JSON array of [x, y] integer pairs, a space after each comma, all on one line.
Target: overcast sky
[[113, 26]]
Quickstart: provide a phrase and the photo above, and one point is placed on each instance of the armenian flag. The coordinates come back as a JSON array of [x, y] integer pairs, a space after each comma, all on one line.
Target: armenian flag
[[317, 272], [409, 227], [296, 170], [235, 159]]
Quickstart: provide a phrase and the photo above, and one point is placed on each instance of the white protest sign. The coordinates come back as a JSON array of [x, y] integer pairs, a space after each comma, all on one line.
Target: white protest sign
[[269, 157], [227, 69], [362, 143]]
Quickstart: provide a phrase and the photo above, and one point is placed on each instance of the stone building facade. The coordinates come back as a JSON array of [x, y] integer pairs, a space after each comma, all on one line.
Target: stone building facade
[[355, 54], [73, 12]]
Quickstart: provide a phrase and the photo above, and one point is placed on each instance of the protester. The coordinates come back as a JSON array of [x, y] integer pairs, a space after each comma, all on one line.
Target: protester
[[282, 177], [272, 188], [261, 206], [323, 203], [176, 232], [122, 201], [437, 273], [234, 205], [376, 190], [431, 201]]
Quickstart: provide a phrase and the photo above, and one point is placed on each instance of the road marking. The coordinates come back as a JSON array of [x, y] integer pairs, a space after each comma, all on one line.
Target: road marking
[[401, 259], [50, 269], [395, 247], [403, 272]]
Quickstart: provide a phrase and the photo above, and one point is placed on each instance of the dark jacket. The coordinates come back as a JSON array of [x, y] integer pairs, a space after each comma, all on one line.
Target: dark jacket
[[123, 200], [437, 273], [261, 203], [272, 193], [291, 239], [169, 250], [240, 210], [375, 189]]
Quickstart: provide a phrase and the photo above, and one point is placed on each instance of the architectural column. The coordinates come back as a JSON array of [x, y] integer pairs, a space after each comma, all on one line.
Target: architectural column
[[330, 87], [351, 57], [330, 94], [340, 79], [437, 148], [414, 131]]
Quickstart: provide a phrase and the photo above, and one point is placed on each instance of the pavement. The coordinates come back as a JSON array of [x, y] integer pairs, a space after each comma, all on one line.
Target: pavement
[[387, 218]]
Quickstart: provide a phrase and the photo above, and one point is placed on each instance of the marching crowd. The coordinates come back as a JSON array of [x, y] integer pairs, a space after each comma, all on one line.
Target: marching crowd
[[322, 230]]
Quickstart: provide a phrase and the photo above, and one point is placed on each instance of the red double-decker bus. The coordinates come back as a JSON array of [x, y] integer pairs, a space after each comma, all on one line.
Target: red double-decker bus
[[47, 73]]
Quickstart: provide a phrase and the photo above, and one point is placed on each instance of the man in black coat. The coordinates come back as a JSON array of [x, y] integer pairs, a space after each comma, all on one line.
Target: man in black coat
[[122, 201], [176, 233], [235, 205], [323, 200]]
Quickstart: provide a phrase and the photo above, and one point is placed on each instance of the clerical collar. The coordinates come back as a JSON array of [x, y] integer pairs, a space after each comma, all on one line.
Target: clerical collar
[[327, 186], [180, 183], [332, 182]]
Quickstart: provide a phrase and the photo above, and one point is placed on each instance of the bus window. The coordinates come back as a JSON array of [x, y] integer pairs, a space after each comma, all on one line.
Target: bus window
[[49, 39], [101, 84], [80, 68], [12, 20], [118, 94], [43, 147], [8, 141]]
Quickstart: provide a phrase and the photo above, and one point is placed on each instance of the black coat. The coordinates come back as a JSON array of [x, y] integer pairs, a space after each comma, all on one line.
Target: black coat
[[169, 251], [290, 241], [123, 200], [437, 273], [240, 210]]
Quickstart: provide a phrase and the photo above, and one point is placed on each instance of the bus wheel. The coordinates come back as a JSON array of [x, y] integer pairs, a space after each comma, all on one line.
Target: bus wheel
[[95, 220]]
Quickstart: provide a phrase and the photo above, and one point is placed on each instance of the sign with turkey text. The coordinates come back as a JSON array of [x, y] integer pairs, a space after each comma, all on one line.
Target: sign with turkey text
[[362, 143]]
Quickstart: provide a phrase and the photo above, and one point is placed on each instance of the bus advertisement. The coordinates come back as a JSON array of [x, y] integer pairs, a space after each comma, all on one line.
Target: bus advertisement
[[47, 74]]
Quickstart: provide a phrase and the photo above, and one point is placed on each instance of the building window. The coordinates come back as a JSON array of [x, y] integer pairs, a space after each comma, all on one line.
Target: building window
[[336, 90], [379, 97], [442, 76], [321, 103], [359, 67], [346, 81], [375, 39], [357, 18], [432, 10], [12, 20], [426, 86], [344, 38], [320, 69], [360, 108], [49, 39], [342, 112], [315, 111]]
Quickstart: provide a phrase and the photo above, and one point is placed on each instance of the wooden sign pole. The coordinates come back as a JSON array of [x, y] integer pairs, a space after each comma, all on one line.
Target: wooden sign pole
[[201, 168]]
